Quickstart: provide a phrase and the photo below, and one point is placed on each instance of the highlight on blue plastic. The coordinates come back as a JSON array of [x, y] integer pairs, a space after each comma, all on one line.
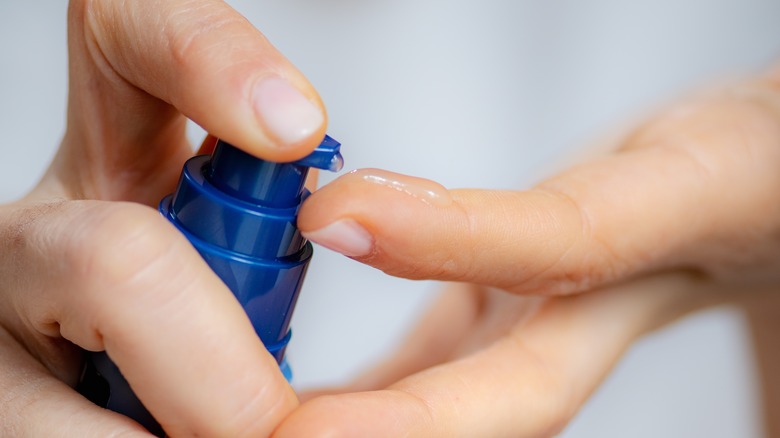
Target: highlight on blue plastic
[[240, 213]]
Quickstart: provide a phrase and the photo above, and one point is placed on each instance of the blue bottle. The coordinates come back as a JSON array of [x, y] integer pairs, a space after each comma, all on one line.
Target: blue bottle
[[240, 213]]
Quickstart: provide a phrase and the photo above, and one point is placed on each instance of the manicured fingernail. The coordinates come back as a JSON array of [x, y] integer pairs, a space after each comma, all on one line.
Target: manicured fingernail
[[285, 112], [344, 236]]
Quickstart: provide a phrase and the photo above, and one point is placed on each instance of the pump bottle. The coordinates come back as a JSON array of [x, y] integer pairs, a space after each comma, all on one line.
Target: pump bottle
[[240, 213]]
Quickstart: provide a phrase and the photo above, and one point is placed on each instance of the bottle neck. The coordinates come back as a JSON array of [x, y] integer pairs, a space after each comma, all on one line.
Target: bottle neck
[[251, 179]]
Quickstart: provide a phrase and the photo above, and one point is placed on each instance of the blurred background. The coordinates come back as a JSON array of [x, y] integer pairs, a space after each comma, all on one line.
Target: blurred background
[[492, 94]]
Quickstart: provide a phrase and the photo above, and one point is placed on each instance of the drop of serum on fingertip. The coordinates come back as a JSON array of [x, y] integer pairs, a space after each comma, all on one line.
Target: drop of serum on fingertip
[[427, 191], [336, 163]]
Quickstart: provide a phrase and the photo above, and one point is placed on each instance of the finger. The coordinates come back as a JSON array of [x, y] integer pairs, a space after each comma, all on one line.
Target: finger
[[494, 238], [464, 319], [214, 66], [133, 65], [35, 403], [681, 195], [534, 379], [438, 335], [171, 326]]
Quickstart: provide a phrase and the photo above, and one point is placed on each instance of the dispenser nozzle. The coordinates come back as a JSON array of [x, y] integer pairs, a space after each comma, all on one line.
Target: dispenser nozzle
[[326, 156]]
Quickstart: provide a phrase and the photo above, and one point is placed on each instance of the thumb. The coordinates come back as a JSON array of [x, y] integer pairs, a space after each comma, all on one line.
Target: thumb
[[209, 62], [136, 67], [683, 191]]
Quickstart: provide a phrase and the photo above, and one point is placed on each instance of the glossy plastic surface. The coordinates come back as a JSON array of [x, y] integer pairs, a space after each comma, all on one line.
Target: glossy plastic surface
[[240, 213]]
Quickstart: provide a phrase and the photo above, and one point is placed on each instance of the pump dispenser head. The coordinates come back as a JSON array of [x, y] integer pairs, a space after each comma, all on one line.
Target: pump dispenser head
[[240, 213], [266, 183], [244, 204]]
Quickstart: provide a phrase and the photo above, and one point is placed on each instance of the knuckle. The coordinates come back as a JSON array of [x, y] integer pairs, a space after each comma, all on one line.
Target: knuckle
[[19, 229], [93, 16], [426, 415], [190, 32], [124, 260], [555, 401], [581, 258], [118, 244], [257, 418]]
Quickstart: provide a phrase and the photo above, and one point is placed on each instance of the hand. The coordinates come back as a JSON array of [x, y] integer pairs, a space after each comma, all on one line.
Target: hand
[[82, 270], [683, 215]]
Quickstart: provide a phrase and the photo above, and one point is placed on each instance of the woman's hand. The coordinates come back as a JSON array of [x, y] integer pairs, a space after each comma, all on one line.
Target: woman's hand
[[684, 214], [83, 270]]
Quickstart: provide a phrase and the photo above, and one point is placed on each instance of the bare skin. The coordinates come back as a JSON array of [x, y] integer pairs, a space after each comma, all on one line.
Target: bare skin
[[89, 264], [682, 215]]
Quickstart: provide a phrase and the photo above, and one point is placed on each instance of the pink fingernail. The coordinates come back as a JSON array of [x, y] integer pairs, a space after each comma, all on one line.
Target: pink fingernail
[[345, 236], [286, 112]]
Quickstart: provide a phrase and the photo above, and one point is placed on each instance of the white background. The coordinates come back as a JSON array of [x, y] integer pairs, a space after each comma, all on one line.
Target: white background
[[491, 94]]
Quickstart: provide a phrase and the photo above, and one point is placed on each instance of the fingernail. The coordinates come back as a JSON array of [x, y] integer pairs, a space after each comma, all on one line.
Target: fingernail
[[284, 111], [345, 236]]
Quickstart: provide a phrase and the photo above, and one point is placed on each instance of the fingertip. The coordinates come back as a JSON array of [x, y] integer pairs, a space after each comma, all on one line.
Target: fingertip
[[270, 117], [292, 120], [215, 67], [384, 219], [345, 236], [364, 191], [282, 120]]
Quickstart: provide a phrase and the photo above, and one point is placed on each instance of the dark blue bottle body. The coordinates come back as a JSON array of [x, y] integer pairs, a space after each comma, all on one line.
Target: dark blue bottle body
[[256, 250]]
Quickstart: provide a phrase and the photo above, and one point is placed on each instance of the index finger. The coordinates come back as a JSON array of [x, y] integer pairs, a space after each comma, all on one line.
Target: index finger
[[688, 188], [201, 57]]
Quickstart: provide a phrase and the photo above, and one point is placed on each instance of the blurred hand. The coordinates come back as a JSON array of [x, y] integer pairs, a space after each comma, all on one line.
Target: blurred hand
[[684, 214], [82, 270]]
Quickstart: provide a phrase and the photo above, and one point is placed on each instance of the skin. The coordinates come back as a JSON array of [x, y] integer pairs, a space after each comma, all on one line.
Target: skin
[[682, 215], [88, 263]]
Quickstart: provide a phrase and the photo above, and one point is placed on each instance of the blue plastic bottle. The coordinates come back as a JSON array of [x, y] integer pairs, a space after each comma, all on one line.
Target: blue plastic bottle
[[240, 213]]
